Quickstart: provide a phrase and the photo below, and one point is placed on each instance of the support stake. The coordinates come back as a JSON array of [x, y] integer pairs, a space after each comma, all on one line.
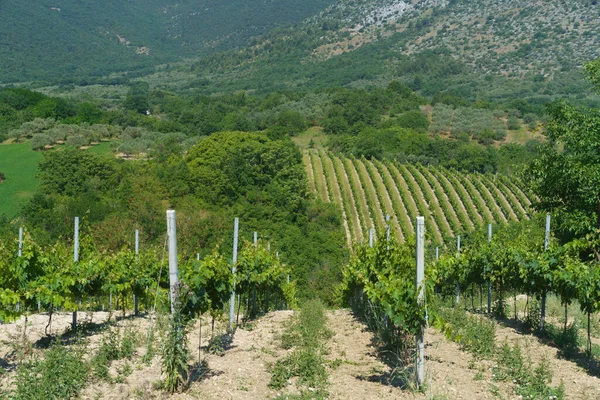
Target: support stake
[[420, 261], [172, 235], [236, 225]]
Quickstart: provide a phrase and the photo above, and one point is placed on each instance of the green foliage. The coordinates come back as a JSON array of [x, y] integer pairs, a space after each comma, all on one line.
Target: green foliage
[[138, 36], [71, 172], [473, 333], [61, 374], [175, 354], [593, 70], [231, 165], [565, 175], [415, 120], [379, 284], [532, 382], [107, 352], [306, 361]]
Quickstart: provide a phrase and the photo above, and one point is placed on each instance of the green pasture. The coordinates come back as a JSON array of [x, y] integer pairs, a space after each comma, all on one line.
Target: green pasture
[[19, 164]]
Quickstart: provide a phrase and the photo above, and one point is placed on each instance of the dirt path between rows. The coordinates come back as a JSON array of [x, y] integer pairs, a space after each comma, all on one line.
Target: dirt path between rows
[[355, 369]]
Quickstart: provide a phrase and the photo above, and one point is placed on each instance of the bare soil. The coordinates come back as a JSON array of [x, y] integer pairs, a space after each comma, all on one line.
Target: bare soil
[[355, 365]]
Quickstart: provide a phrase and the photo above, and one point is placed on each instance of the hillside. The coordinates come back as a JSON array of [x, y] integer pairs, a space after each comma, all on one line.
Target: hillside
[[488, 50], [452, 202], [496, 51], [68, 39]]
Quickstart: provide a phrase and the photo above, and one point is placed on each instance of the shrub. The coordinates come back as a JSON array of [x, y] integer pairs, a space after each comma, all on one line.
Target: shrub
[[78, 141], [61, 374], [40, 140], [413, 120], [513, 123]]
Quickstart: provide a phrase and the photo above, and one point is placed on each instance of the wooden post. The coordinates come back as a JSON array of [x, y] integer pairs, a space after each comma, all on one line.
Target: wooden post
[[371, 237], [543, 305], [437, 253], [489, 283], [255, 239], [387, 230], [235, 249], [20, 242], [20, 254], [420, 261], [457, 255], [75, 259], [173, 272], [137, 252], [76, 246]]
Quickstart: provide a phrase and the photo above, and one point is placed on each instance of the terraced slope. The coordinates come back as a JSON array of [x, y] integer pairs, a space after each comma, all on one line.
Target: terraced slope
[[452, 202]]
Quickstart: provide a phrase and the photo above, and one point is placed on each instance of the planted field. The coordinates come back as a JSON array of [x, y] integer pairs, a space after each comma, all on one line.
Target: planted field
[[452, 202]]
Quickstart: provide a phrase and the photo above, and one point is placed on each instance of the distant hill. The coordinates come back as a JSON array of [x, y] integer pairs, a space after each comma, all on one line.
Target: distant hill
[[489, 50], [485, 49], [62, 39]]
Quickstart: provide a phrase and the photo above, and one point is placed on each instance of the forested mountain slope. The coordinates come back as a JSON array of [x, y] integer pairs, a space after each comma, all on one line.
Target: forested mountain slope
[[482, 49], [60, 39]]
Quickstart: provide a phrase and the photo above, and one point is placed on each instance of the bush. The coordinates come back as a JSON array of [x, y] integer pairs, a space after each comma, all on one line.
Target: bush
[[61, 374], [39, 141], [77, 141], [513, 123], [2, 176], [475, 334], [413, 120]]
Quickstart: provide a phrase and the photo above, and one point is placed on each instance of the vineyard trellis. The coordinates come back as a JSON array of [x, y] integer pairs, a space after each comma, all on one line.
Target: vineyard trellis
[[452, 202], [73, 277]]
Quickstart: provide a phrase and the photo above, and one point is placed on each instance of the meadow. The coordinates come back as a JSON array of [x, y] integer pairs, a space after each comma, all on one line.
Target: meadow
[[19, 164]]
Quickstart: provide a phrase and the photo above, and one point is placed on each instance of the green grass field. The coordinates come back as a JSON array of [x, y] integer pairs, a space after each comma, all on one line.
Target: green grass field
[[19, 164], [102, 149]]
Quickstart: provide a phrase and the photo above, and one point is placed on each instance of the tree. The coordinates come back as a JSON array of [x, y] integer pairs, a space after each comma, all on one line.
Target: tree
[[566, 174], [40, 140], [228, 166], [71, 172]]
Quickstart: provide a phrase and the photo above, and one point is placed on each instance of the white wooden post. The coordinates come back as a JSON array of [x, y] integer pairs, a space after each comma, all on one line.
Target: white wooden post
[[420, 261], [20, 242], [543, 306], [371, 231], [255, 239], [137, 252], [173, 272], [76, 246], [198, 256], [489, 282], [75, 259], [437, 253], [457, 255], [547, 235], [235, 249], [387, 230], [20, 254]]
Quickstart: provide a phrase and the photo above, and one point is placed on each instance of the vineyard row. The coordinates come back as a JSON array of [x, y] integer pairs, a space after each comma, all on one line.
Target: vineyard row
[[452, 202]]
